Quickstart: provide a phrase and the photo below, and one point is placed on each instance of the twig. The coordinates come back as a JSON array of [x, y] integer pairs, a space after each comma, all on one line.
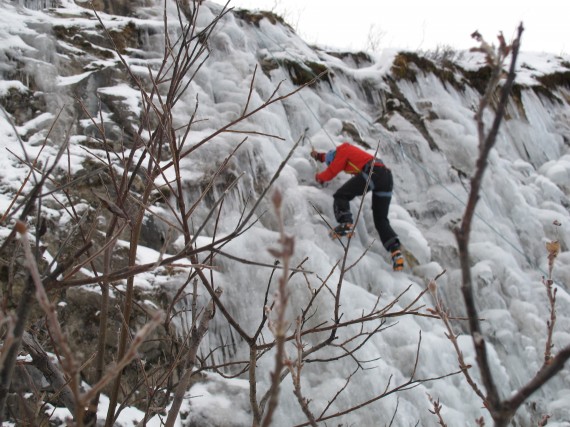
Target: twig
[[279, 325], [486, 142], [451, 335], [437, 407], [295, 368]]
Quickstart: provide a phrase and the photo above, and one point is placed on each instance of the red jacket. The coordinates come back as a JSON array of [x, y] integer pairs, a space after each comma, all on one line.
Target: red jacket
[[348, 158]]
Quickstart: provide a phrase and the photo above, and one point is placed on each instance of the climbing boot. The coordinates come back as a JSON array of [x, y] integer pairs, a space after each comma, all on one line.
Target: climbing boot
[[342, 230], [397, 260]]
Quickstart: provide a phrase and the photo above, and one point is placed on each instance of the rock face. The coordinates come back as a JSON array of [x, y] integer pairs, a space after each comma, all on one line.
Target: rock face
[[81, 319], [119, 7]]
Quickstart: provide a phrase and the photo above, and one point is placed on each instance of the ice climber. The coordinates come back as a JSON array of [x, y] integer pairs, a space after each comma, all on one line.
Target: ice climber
[[362, 165]]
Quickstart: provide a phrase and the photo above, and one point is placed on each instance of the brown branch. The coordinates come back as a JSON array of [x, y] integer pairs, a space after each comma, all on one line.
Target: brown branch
[[486, 143], [253, 387], [53, 375], [279, 325], [198, 333], [557, 363], [410, 384], [437, 407], [553, 249], [501, 411], [451, 335], [295, 369]]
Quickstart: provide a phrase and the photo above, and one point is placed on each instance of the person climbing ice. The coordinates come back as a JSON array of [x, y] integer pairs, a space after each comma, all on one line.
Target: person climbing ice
[[355, 161]]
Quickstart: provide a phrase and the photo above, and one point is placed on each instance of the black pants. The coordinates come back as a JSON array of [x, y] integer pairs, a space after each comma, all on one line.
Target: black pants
[[381, 185]]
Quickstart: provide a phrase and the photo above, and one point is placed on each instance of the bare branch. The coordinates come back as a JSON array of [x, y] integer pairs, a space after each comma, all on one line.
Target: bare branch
[[198, 333]]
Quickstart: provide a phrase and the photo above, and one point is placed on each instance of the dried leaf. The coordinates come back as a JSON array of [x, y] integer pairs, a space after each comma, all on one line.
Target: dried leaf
[[21, 227], [553, 247], [275, 253]]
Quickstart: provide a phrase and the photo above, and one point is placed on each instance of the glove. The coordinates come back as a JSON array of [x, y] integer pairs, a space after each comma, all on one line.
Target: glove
[[320, 181], [320, 157]]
